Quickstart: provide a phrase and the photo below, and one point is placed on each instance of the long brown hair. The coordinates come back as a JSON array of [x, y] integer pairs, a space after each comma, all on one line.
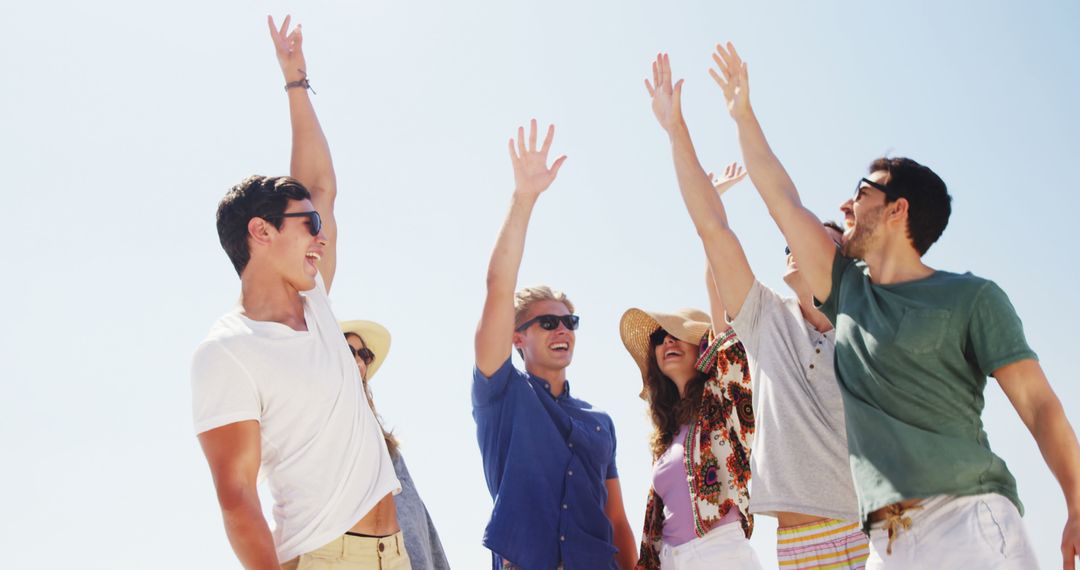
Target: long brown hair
[[667, 409], [391, 440]]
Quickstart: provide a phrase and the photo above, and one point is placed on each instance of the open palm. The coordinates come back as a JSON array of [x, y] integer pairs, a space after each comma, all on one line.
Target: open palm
[[531, 172], [733, 174], [666, 98], [733, 79]]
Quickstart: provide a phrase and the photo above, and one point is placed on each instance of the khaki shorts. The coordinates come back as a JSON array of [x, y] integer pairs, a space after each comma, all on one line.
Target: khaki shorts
[[348, 552]]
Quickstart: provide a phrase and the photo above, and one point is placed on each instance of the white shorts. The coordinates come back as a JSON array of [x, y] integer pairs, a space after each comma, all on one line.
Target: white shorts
[[981, 532], [722, 547]]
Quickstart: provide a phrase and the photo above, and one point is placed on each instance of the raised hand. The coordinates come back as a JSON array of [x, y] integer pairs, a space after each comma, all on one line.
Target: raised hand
[[733, 174], [666, 98], [732, 79], [289, 48], [531, 172]]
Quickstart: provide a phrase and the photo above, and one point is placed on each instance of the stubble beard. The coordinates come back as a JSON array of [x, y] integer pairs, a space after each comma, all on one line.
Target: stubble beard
[[859, 243]]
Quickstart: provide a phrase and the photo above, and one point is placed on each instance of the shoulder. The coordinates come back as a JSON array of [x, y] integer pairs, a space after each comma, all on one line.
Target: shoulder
[[226, 332], [966, 288]]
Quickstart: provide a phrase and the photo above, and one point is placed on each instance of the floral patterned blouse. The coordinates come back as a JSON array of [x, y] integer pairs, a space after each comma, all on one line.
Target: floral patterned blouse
[[717, 448]]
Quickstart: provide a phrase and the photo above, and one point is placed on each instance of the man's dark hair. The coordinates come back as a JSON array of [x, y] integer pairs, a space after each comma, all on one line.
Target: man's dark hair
[[929, 203], [255, 197]]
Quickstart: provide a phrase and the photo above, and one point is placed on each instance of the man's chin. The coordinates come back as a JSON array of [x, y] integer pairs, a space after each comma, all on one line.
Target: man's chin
[[561, 360]]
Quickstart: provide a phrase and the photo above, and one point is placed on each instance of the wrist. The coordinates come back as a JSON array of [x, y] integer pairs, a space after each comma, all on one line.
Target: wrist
[[677, 129], [743, 115], [525, 196]]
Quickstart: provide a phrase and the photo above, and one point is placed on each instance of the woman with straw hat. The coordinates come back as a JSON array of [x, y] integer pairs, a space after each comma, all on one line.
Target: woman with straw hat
[[369, 343], [697, 385]]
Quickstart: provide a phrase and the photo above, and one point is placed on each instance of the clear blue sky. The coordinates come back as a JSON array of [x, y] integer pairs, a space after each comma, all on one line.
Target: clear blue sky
[[122, 123]]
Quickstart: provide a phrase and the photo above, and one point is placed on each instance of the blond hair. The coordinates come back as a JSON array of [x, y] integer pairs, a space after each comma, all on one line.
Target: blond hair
[[525, 298]]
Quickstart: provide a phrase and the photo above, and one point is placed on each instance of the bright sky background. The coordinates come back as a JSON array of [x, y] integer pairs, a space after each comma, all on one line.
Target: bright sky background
[[122, 124]]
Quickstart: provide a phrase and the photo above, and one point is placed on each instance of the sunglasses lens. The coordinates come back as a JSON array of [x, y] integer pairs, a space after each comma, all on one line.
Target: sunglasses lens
[[657, 337], [787, 250], [548, 322], [571, 322], [366, 355], [316, 223]]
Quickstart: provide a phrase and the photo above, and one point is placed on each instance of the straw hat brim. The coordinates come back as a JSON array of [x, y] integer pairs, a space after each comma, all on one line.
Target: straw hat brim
[[637, 325], [376, 338]]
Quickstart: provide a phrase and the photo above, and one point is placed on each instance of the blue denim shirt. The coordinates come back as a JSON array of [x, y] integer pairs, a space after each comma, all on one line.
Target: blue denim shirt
[[546, 461]]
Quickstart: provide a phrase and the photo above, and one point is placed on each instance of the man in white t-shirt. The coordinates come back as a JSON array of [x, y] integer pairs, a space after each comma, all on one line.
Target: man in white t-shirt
[[275, 392]]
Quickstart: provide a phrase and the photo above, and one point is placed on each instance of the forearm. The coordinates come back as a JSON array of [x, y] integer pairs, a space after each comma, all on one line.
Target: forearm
[[1058, 444], [766, 172], [494, 334], [310, 162], [627, 556], [250, 536], [704, 206], [510, 245]]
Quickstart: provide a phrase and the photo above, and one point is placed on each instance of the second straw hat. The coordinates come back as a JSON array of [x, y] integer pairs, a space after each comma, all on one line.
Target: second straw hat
[[376, 338]]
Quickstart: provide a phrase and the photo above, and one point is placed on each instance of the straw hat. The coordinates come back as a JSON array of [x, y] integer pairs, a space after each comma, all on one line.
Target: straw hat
[[687, 325], [376, 338]]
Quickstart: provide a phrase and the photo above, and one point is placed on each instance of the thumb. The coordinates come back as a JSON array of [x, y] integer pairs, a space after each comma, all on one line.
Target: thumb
[[557, 165]]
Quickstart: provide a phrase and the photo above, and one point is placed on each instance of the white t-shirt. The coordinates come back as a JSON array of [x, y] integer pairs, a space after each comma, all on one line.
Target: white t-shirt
[[323, 452], [800, 459]]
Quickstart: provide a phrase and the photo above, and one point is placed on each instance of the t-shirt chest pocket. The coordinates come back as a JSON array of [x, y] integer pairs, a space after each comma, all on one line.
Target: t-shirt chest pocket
[[592, 441], [921, 331]]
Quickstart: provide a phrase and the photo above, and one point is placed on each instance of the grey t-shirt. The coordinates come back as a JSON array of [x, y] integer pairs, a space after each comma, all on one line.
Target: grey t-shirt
[[421, 540], [800, 459]]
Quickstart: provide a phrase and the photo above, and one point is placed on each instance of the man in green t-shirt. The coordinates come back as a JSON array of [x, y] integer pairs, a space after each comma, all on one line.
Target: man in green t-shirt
[[914, 347]]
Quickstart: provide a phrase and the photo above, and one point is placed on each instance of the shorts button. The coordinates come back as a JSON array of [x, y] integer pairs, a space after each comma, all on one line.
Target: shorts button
[[382, 547]]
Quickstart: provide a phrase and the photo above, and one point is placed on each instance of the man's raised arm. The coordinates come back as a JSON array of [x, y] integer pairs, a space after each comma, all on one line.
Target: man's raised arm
[[532, 176], [808, 239], [310, 162], [726, 257]]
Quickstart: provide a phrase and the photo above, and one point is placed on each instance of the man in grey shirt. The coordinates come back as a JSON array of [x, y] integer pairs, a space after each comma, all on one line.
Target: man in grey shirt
[[800, 464]]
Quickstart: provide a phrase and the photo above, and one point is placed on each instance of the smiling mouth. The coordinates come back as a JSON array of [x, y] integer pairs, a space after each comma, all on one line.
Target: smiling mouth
[[560, 346], [672, 354]]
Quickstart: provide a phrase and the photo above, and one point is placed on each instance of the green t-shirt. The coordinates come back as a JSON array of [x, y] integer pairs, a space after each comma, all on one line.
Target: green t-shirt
[[912, 360]]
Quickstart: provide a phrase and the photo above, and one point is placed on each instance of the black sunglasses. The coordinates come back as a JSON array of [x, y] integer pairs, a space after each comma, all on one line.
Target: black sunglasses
[[658, 337], [888, 193], [551, 322], [316, 222], [364, 353]]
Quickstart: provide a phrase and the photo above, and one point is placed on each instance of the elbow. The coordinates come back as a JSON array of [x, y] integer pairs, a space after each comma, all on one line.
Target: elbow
[[713, 229], [235, 497]]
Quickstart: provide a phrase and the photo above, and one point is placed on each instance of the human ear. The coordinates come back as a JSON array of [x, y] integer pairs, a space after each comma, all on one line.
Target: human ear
[[259, 231]]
